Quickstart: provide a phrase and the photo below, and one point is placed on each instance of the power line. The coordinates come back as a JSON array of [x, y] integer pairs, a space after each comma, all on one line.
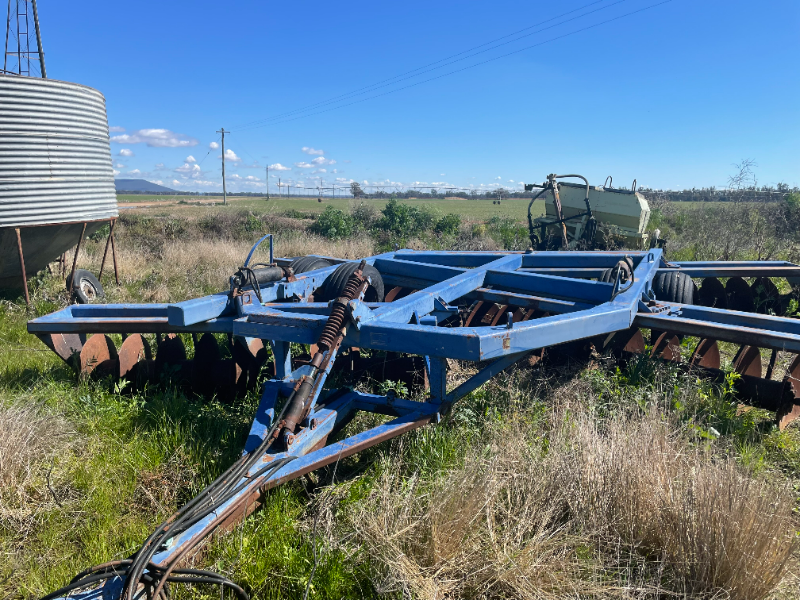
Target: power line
[[483, 62], [427, 68]]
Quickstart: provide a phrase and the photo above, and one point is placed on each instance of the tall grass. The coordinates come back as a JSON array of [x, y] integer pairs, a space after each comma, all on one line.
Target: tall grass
[[628, 509]]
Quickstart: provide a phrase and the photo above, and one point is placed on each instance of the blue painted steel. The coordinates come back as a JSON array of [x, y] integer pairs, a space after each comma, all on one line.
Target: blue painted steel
[[555, 282], [256, 245]]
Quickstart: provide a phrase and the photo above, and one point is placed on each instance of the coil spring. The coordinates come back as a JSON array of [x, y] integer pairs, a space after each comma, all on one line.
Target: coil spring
[[336, 319]]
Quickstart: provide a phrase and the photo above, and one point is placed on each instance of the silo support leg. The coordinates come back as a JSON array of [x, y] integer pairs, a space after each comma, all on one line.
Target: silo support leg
[[22, 267], [110, 241], [75, 260]]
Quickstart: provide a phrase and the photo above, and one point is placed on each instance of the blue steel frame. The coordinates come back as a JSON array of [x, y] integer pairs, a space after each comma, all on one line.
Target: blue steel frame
[[555, 282]]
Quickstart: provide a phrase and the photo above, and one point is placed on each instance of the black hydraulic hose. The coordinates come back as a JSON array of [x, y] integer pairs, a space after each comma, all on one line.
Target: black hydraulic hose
[[220, 491]]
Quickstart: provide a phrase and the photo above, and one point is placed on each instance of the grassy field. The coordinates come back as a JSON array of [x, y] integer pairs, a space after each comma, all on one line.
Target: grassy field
[[574, 480], [476, 210]]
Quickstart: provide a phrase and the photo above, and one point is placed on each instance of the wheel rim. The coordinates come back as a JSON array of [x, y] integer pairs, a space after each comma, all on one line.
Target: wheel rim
[[87, 289]]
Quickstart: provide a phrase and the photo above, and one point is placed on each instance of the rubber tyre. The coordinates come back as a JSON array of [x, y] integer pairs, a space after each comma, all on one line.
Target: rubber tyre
[[607, 276], [305, 264], [610, 276], [87, 288], [336, 282], [673, 286]]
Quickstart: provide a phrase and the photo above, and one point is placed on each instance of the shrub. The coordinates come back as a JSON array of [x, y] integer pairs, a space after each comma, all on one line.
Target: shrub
[[253, 224], [333, 224], [405, 219], [448, 224], [397, 218], [364, 216]]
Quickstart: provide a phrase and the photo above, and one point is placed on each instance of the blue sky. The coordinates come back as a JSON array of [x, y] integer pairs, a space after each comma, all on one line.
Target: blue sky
[[671, 95]]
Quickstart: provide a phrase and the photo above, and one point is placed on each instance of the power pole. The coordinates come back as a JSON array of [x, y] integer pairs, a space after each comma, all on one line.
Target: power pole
[[224, 191], [267, 182], [279, 187]]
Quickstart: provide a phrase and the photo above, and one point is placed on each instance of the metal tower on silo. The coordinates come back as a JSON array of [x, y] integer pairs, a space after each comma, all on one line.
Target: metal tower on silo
[[23, 40]]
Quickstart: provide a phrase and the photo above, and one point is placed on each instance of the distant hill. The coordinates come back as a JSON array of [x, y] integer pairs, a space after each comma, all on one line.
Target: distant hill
[[141, 185]]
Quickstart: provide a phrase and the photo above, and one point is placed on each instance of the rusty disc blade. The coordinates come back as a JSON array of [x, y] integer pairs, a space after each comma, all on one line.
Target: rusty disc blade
[[740, 296], [133, 349], [64, 344], [667, 347], [621, 343], [793, 378], [97, 355], [748, 362], [712, 293], [706, 354], [477, 313], [791, 410], [502, 311], [766, 296], [206, 357], [170, 352]]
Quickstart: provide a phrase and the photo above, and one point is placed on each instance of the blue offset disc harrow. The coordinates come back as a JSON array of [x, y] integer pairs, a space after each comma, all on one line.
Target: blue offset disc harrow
[[418, 310]]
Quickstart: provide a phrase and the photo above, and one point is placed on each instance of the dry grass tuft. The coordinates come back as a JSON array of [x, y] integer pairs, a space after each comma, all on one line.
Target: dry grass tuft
[[631, 511], [167, 487], [29, 440]]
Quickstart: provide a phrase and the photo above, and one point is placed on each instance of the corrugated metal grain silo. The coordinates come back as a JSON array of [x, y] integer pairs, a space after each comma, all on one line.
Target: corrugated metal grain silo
[[55, 171]]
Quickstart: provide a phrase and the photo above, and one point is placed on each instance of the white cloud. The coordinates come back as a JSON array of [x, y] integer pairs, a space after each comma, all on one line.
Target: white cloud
[[498, 178], [119, 165], [313, 151], [190, 159], [303, 165], [116, 129], [279, 167], [343, 180], [251, 178], [320, 171], [175, 182], [230, 155], [319, 161], [193, 170], [234, 177], [135, 172], [156, 138], [334, 170], [159, 166], [125, 152], [115, 172], [441, 174], [159, 182], [213, 145]]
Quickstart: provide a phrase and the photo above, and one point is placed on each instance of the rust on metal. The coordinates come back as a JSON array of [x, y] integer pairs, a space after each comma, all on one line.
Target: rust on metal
[[98, 355], [22, 266], [706, 354], [132, 350], [748, 362], [75, 260], [667, 347], [65, 345], [112, 223]]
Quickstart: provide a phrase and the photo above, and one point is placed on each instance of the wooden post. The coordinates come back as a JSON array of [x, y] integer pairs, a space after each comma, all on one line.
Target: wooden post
[[22, 266]]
